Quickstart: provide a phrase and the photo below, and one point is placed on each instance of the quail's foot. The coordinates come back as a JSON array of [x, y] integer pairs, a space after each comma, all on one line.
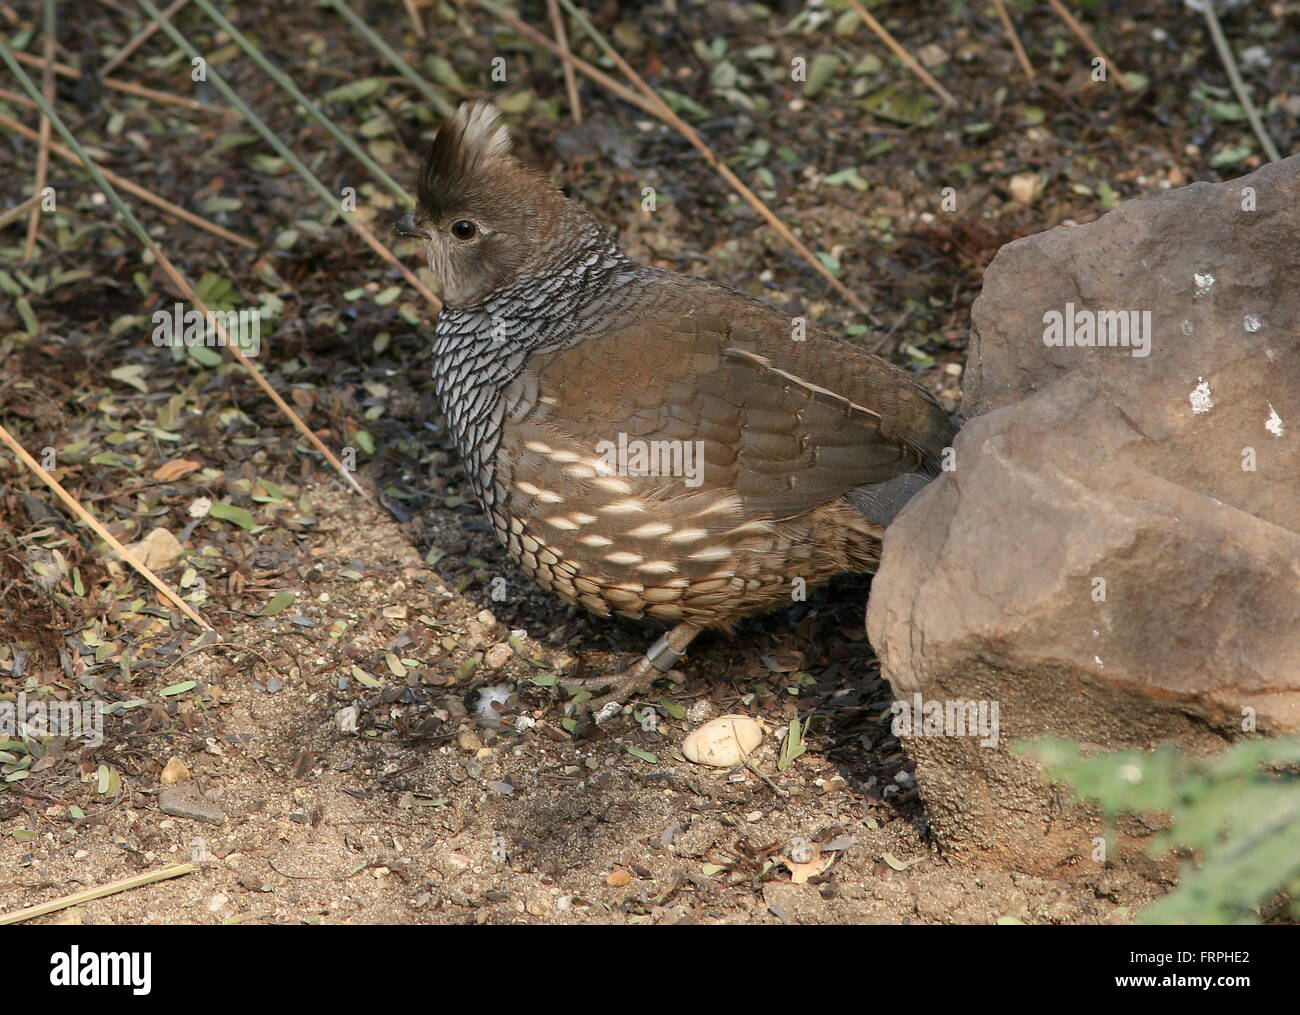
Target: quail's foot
[[636, 679], [659, 658]]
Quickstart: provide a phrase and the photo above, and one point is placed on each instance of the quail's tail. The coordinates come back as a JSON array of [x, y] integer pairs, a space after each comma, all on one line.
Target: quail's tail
[[879, 503]]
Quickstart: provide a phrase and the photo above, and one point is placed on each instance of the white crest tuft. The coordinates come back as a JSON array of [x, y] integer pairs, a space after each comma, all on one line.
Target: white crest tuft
[[482, 130]]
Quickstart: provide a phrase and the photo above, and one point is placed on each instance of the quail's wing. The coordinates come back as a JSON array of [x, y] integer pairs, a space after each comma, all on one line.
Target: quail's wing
[[729, 398]]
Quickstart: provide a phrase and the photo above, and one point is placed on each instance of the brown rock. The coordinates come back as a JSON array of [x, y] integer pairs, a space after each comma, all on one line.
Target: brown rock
[[183, 800], [1116, 556]]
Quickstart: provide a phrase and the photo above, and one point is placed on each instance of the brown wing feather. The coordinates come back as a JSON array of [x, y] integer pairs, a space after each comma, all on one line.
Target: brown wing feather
[[787, 425]]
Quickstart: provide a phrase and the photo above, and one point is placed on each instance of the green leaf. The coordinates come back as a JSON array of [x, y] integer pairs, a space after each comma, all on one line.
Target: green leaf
[[29, 317], [279, 603], [793, 746], [846, 178], [181, 688], [364, 678], [636, 752], [132, 375], [919, 356], [673, 708], [823, 68], [231, 513], [900, 105], [203, 356], [444, 73], [354, 91], [1230, 157]]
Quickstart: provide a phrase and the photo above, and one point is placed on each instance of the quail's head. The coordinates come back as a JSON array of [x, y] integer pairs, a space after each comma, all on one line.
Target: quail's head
[[485, 218]]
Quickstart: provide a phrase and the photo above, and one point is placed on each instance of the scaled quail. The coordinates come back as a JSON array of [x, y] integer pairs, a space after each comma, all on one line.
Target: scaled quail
[[647, 443]]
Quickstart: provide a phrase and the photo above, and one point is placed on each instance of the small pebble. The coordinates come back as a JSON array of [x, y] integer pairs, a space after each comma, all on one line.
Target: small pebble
[[346, 719], [723, 742], [174, 771], [497, 656]]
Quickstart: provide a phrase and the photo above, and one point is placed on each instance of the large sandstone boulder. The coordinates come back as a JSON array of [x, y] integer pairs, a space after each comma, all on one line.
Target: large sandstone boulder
[[1116, 555]]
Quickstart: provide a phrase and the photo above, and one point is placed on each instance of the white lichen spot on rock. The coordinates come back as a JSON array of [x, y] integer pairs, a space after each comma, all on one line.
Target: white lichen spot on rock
[[1251, 323], [1203, 283], [1097, 660], [1200, 397], [1274, 424]]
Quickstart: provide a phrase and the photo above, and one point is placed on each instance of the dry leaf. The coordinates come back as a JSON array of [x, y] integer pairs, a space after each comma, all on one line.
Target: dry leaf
[[158, 550], [801, 872], [175, 469]]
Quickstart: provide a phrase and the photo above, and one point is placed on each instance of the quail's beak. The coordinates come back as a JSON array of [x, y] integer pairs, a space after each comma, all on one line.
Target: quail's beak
[[405, 226]]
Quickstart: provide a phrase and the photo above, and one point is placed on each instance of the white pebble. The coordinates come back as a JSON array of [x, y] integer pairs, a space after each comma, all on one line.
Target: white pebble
[[724, 741], [346, 719]]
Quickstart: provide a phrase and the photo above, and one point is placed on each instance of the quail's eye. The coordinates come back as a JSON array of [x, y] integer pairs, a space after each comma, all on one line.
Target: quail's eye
[[464, 229]]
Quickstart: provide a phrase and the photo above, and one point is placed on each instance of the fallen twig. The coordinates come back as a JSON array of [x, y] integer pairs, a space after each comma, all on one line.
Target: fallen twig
[[1087, 40], [909, 61], [131, 188], [1238, 85], [99, 530], [664, 112], [413, 13], [90, 894], [140, 91], [1010, 28], [18, 211], [43, 149], [150, 27], [562, 40]]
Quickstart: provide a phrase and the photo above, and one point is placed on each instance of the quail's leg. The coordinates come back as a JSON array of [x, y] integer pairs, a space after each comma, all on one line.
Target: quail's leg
[[659, 658]]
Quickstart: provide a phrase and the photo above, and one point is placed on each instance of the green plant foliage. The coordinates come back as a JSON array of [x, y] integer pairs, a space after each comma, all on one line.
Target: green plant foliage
[[1239, 813]]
